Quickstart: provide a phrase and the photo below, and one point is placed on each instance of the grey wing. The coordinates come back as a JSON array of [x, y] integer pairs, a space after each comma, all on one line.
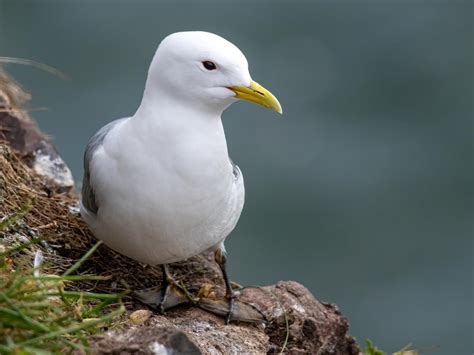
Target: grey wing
[[89, 200]]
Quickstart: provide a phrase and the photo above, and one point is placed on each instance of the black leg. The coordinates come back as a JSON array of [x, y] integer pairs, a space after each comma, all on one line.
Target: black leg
[[221, 260], [167, 281]]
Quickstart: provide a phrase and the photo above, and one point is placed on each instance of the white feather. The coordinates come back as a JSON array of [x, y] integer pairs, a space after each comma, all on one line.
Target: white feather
[[38, 261]]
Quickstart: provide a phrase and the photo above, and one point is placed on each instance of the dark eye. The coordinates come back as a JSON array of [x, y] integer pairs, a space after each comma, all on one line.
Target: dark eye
[[209, 65]]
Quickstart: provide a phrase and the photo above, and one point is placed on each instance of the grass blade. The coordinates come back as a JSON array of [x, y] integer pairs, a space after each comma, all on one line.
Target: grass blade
[[78, 263]]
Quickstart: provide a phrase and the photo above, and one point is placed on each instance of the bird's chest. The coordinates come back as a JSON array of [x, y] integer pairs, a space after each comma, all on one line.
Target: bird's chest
[[182, 185], [171, 214], [165, 197]]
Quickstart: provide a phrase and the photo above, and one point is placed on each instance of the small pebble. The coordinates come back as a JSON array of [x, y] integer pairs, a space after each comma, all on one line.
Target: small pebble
[[140, 316]]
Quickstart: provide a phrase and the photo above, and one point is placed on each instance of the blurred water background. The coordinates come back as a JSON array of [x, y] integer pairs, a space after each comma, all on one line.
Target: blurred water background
[[363, 192]]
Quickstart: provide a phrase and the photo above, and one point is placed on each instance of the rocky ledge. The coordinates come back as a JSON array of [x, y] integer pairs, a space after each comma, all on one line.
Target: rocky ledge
[[33, 174]]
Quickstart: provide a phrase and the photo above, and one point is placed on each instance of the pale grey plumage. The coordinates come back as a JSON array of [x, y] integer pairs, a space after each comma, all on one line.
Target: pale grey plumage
[[89, 200]]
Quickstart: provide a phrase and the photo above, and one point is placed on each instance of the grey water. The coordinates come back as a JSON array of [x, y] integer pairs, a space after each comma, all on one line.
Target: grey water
[[362, 192]]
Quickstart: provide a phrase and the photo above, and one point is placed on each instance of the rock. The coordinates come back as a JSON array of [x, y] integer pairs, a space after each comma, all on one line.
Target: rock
[[23, 135], [311, 327], [181, 330], [151, 340]]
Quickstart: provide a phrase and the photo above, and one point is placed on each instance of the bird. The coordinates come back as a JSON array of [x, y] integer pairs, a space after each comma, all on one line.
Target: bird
[[159, 186]]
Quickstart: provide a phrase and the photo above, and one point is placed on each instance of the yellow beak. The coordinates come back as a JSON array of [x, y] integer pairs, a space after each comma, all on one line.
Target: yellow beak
[[258, 94]]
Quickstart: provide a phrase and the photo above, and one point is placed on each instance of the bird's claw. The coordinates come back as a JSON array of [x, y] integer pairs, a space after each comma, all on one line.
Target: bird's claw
[[230, 313], [161, 308]]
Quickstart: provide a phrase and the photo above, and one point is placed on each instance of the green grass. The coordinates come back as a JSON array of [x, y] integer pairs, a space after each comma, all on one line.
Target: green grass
[[38, 314], [373, 350]]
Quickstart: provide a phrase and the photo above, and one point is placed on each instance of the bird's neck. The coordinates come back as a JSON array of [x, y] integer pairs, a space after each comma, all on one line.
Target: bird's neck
[[185, 135], [166, 115]]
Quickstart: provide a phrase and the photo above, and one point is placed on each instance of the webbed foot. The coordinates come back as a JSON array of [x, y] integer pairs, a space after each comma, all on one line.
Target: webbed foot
[[170, 295], [234, 310]]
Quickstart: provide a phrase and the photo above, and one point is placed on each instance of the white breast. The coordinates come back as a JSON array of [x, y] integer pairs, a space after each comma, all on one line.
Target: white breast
[[164, 197]]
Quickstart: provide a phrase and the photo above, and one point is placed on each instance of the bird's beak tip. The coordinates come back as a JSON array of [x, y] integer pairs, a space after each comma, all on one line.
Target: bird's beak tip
[[279, 110], [257, 94]]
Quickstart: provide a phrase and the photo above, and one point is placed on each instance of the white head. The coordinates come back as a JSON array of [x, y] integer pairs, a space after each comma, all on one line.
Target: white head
[[205, 71]]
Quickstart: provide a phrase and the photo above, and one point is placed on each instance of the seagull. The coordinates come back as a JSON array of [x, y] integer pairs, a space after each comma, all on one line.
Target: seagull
[[159, 186]]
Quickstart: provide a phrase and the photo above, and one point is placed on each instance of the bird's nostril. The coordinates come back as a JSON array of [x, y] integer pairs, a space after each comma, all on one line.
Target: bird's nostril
[[259, 92]]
